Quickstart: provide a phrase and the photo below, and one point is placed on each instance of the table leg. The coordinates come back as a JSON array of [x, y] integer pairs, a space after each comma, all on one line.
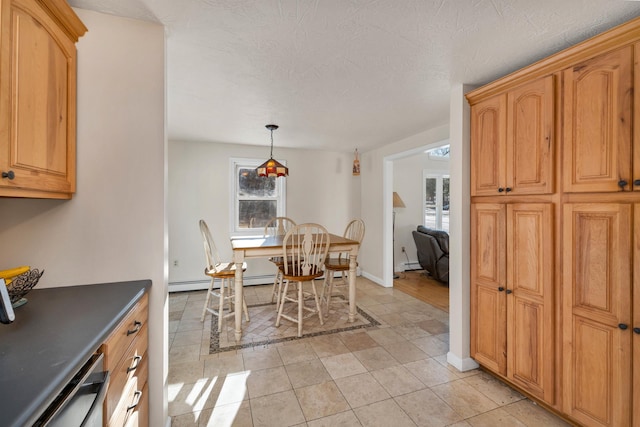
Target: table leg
[[239, 296], [352, 286]]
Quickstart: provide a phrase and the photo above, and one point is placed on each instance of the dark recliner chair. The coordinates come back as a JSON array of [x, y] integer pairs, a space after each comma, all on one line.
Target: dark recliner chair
[[433, 252]]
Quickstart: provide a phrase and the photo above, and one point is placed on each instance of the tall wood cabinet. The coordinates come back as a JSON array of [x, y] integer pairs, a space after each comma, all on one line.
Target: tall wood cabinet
[[597, 312], [555, 261], [512, 314], [38, 98]]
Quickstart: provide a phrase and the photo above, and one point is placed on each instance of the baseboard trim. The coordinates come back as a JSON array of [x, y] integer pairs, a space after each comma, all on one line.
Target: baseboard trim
[[374, 279], [462, 365], [196, 285]]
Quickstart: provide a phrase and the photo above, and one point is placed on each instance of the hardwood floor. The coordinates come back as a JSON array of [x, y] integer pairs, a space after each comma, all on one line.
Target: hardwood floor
[[418, 285]]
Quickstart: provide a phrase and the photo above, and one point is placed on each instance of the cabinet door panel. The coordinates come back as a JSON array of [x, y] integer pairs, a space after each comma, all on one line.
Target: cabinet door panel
[[41, 119], [529, 143], [596, 299], [488, 146], [636, 314], [597, 122], [530, 325], [488, 310]]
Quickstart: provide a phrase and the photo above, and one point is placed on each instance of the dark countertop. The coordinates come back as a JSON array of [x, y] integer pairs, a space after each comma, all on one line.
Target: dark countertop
[[54, 334]]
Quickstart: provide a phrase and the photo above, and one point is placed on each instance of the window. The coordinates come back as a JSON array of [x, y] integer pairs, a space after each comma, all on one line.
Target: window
[[441, 153], [255, 199], [436, 201]]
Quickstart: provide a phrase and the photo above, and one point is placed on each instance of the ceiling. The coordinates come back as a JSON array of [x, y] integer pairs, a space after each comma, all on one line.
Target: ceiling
[[345, 74]]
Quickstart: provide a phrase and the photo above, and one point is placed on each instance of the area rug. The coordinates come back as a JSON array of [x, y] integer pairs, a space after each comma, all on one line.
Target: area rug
[[261, 330]]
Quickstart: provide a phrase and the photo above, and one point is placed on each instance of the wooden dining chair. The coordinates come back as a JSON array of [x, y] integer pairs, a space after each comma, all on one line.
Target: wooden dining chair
[[340, 264], [225, 272], [305, 248], [277, 226]]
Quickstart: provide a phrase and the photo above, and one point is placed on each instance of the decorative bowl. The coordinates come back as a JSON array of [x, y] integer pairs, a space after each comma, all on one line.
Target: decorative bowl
[[22, 284]]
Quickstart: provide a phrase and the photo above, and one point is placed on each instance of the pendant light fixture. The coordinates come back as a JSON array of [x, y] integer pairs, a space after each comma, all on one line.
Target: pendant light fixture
[[272, 168]]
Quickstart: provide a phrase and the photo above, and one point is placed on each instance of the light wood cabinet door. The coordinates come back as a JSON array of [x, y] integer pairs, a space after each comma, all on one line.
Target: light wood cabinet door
[[597, 368], [488, 277], [512, 141], [530, 312], [530, 142], [488, 149], [598, 95], [636, 315], [38, 101]]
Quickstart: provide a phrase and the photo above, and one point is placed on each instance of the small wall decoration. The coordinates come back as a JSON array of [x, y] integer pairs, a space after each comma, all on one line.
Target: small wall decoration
[[356, 164]]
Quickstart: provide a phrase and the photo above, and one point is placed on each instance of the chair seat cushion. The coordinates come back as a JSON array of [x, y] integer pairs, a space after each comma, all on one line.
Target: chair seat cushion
[[296, 278], [337, 264], [224, 270]]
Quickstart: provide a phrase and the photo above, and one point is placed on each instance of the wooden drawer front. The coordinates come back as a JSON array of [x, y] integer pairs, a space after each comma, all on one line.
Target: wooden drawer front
[[140, 415], [131, 365], [118, 343], [134, 399]]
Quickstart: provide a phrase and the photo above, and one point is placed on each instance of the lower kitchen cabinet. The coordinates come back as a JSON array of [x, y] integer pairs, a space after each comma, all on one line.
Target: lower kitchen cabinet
[[125, 353], [601, 313], [512, 312]]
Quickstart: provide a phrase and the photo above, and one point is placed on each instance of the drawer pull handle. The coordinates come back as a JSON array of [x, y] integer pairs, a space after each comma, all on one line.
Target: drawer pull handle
[[136, 362], [500, 189], [623, 326], [509, 291], [622, 183], [508, 189], [636, 330], [136, 327], [10, 175], [500, 289], [636, 182], [137, 395]]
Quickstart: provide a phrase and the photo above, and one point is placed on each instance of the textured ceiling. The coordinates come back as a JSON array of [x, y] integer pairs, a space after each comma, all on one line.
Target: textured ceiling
[[341, 74]]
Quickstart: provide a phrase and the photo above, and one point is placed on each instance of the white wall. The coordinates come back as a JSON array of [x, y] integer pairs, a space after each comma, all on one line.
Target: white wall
[[113, 229], [459, 232], [320, 188], [407, 182], [375, 213]]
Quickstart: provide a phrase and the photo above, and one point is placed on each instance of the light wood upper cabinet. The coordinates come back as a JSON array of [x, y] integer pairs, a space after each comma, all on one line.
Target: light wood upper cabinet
[[488, 147], [597, 313], [512, 141], [598, 96], [38, 98], [512, 293]]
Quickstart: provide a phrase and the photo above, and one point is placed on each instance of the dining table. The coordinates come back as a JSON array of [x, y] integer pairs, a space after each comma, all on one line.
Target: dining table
[[245, 247]]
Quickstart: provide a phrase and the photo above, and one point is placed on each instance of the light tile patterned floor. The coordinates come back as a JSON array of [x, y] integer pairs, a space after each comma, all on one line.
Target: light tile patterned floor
[[393, 374]]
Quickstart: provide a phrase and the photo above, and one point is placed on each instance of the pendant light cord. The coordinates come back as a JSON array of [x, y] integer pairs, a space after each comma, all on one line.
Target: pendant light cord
[[271, 155]]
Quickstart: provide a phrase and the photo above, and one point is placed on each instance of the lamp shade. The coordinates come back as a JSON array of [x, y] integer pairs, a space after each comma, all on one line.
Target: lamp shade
[[397, 201], [272, 168]]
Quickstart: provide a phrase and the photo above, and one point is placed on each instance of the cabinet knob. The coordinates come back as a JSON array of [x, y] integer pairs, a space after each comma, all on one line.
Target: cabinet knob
[[500, 189], [622, 183], [623, 326], [500, 289], [636, 182], [9, 175], [636, 330], [508, 189], [509, 291]]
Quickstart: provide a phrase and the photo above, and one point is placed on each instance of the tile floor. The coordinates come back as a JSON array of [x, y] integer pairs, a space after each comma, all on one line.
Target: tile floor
[[393, 374]]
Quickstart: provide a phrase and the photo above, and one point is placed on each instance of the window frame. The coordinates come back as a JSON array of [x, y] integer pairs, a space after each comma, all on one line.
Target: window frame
[[439, 177], [235, 164]]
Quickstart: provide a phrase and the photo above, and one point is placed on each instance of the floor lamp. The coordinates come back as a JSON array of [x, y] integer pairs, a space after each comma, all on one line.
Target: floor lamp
[[397, 203]]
